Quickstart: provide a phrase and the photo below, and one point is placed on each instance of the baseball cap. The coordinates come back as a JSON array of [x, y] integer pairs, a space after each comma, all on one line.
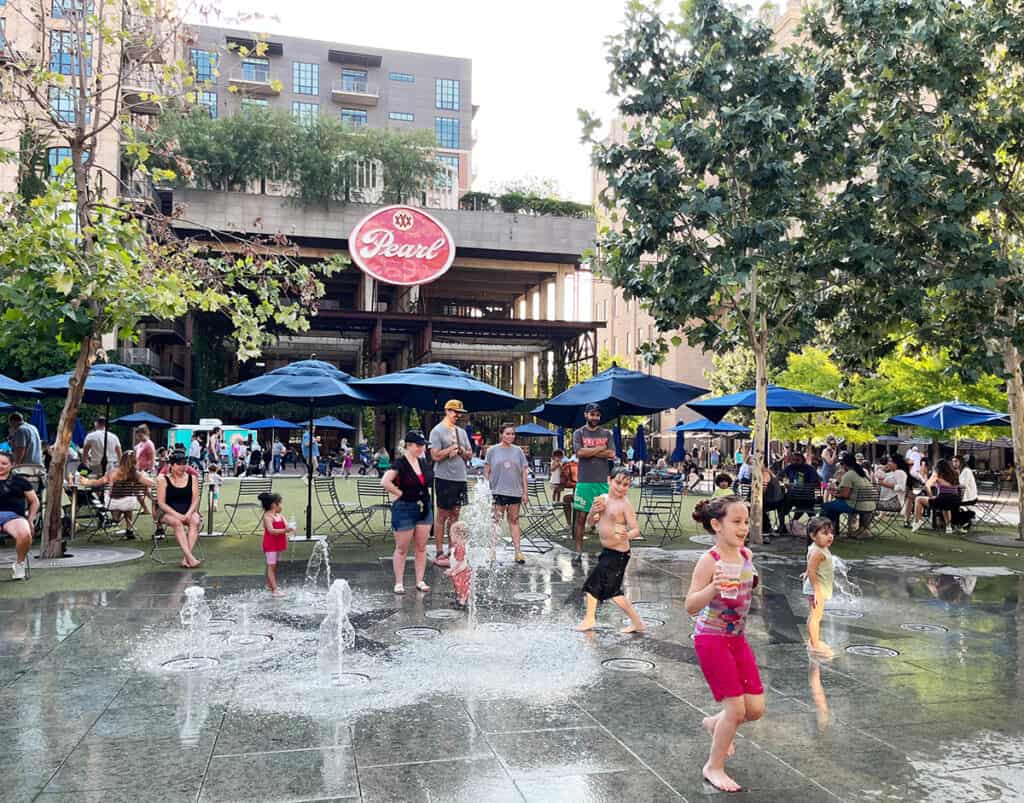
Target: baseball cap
[[454, 404], [412, 436], [592, 406]]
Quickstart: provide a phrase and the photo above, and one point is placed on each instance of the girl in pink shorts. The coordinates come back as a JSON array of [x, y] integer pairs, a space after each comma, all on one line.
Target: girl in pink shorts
[[720, 592], [275, 537]]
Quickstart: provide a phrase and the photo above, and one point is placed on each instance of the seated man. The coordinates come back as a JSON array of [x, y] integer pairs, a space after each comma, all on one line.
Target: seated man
[[802, 481], [962, 518], [891, 479]]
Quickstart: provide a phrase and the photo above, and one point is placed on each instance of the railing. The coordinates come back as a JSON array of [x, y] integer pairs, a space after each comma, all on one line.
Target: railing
[[139, 187], [141, 356], [134, 81], [251, 74], [348, 86]]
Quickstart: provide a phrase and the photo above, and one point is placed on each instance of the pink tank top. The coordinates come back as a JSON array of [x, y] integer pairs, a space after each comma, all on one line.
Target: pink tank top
[[727, 617]]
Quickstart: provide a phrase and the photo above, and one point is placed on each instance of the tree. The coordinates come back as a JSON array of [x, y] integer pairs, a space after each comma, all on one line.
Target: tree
[[812, 370], [716, 184], [76, 262], [927, 228]]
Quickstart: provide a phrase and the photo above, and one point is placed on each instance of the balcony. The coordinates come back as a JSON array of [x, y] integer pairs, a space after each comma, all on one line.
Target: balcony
[[165, 333], [140, 94], [254, 80], [142, 41], [141, 357], [355, 93]]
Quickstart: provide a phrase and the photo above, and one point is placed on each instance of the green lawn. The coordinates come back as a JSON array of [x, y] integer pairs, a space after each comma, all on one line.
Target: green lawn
[[231, 555]]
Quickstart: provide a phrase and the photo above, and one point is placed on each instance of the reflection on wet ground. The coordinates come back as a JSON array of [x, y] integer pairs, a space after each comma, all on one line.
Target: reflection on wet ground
[[926, 707]]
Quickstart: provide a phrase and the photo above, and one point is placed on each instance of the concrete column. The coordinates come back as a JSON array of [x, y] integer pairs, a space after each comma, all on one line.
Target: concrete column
[[560, 288], [530, 377], [517, 377], [548, 311], [366, 293]]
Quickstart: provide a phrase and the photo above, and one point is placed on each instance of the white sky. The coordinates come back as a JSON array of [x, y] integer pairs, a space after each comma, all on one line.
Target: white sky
[[535, 63]]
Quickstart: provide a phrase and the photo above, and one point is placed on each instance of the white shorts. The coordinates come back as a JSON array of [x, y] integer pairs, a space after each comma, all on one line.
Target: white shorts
[[123, 504]]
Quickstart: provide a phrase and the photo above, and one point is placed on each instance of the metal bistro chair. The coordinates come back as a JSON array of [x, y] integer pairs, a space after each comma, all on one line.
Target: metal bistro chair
[[864, 518], [373, 499], [660, 504], [990, 502], [249, 491], [889, 520], [340, 518], [539, 518]]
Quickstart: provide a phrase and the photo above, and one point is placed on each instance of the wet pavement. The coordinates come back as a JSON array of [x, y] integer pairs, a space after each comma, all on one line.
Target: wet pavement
[[922, 701]]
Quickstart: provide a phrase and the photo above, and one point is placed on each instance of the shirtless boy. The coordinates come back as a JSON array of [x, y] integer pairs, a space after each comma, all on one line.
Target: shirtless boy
[[616, 526]]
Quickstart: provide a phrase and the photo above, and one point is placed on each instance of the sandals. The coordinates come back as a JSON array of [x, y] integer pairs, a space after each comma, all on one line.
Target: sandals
[[399, 588], [421, 586]]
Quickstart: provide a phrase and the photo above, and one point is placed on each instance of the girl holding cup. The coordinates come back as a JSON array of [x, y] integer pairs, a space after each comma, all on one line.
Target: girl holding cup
[[720, 592]]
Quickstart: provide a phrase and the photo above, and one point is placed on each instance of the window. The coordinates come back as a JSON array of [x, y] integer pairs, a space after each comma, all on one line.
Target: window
[[446, 91], [64, 53], [403, 77], [353, 81], [3, 31], [204, 63], [62, 104], [67, 8], [355, 118], [305, 78], [54, 156], [254, 103], [405, 117], [256, 70], [305, 112], [444, 180], [446, 131], [209, 101]]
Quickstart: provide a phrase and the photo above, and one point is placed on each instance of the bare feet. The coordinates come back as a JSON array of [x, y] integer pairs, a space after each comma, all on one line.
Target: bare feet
[[585, 625], [640, 628], [719, 780], [821, 651], [709, 725]]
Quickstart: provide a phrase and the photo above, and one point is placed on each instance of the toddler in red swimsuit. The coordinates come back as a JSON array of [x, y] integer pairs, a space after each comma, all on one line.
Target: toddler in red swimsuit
[[460, 571]]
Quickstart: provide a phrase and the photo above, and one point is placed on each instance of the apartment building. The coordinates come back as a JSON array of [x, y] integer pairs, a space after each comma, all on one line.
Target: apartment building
[[359, 85]]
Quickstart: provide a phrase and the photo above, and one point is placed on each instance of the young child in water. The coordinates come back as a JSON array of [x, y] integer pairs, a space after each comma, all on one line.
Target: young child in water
[[617, 526], [720, 591], [275, 538], [818, 581], [459, 571]]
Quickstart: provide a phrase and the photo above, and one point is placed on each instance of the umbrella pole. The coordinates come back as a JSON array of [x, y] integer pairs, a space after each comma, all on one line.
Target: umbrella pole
[[106, 436], [309, 485]]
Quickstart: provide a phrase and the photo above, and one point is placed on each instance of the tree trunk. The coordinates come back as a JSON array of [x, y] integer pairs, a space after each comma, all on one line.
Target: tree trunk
[[1015, 396], [760, 344], [52, 530]]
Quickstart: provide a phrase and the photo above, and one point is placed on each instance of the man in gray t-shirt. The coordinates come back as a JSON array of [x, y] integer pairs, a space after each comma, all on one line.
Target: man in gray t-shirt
[[449, 449], [25, 441], [592, 445]]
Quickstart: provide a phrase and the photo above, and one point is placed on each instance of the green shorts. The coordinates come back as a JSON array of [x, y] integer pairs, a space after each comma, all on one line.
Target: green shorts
[[585, 493]]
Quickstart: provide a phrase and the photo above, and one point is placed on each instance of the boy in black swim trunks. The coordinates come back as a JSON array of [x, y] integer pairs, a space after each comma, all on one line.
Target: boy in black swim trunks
[[617, 526]]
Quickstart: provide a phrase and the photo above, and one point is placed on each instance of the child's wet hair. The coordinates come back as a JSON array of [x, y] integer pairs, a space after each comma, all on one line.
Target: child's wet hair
[[619, 472], [817, 524], [268, 500], [459, 527], [716, 508], [723, 479]]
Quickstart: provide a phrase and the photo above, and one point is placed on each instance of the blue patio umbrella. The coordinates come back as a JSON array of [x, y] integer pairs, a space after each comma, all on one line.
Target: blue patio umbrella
[[270, 423], [535, 430], [11, 387], [38, 420], [780, 400], [317, 383], [143, 418], [107, 384], [78, 433], [640, 444], [619, 392], [719, 428], [952, 415], [7, 408], [330, 422], [429, 386], [617, 439], [679, 453], [560, 438]]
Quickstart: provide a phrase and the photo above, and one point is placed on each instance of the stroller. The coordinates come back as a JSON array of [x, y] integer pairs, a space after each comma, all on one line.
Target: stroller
[[364, 459]]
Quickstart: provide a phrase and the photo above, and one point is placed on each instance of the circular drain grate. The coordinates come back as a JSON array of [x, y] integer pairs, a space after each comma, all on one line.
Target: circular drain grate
[[871, 651], [443, 613], [197, 663], [650, 621], [844, 613], [345, 679], [914, 627], [650, 606], [418, 632], [496, 627], [249, 639], [628, 665], [531, 596]]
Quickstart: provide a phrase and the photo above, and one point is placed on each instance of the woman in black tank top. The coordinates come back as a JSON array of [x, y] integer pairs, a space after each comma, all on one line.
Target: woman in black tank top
[[177, 495]]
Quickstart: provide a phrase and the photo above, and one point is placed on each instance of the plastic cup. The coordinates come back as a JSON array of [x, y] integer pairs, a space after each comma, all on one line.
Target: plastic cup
[[731, 572]]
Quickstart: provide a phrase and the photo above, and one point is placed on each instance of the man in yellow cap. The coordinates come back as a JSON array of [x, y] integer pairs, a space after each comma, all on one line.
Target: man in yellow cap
[[450, 448]]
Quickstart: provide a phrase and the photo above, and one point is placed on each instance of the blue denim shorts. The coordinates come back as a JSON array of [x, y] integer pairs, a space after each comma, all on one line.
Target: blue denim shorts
[[406, 515]]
